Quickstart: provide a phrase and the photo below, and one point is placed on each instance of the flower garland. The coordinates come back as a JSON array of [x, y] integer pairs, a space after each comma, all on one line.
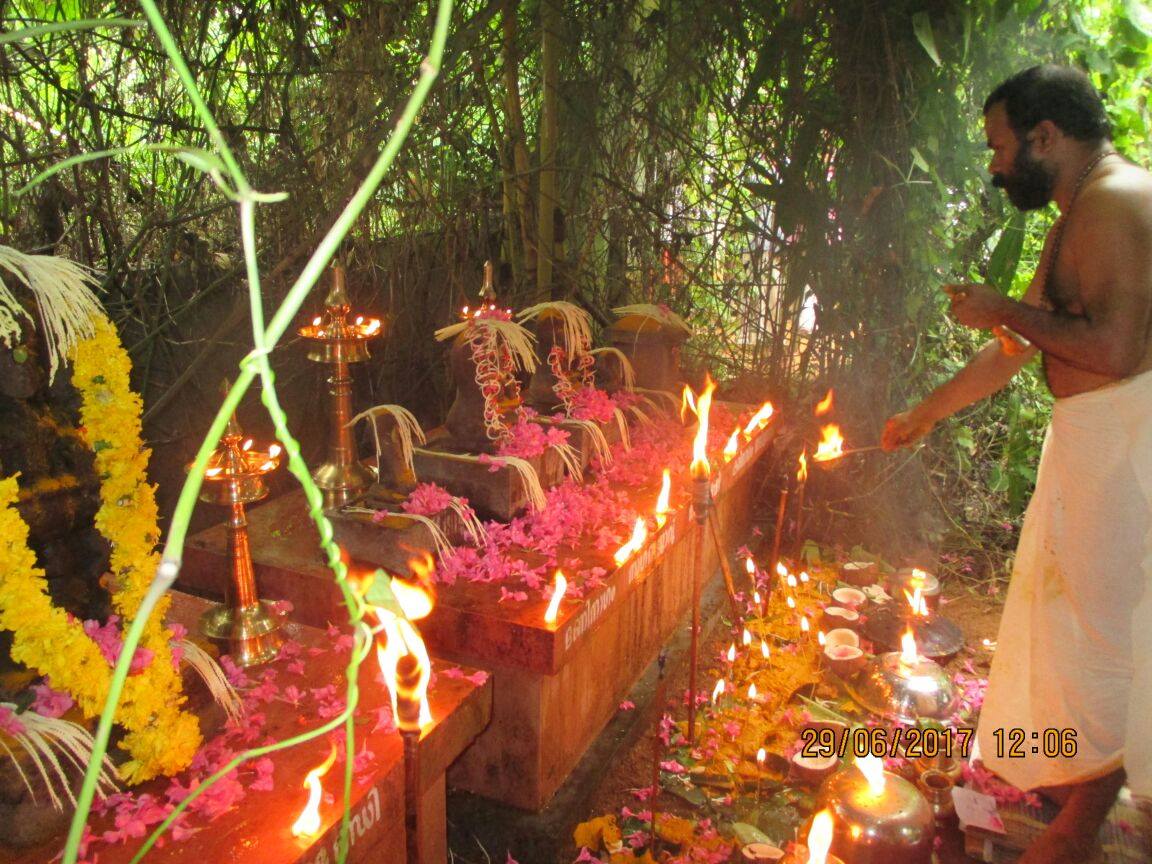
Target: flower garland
[[562, 387], [161, 738]]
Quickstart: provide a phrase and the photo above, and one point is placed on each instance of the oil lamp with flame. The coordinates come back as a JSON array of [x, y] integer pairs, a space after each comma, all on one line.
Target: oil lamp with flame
[[701, 471], [338, 340], [234, 478], [906, 686], [913, 606], [560, 586], [877, 817], [663, 500]]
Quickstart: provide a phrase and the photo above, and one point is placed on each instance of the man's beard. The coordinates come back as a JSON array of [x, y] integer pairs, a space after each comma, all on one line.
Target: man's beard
[[1029, 186]]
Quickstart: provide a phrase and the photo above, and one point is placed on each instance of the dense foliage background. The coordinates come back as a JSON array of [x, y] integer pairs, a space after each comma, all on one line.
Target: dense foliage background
[[795, 177]]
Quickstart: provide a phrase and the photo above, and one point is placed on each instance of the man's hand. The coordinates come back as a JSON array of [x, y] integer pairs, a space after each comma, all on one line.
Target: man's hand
[[978, 306], [905, 428]]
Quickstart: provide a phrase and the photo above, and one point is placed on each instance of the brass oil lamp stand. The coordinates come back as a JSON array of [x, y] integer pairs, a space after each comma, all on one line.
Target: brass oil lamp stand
[[235, 478], [337, 343]]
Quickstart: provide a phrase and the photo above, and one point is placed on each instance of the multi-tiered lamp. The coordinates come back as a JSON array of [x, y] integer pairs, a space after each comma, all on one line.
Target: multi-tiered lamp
[[234, 478], [339, 339]]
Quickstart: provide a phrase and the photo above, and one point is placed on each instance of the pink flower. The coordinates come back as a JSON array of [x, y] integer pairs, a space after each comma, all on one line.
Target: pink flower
[[427, 499], [9, 722], [110, 642], [48, 702], [627, 705]]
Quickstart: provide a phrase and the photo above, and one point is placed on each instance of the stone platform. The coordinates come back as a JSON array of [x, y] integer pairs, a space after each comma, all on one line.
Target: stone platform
[[258, 827]]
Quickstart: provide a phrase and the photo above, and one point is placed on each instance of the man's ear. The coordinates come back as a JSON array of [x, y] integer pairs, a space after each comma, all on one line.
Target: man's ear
[[1043, 136]]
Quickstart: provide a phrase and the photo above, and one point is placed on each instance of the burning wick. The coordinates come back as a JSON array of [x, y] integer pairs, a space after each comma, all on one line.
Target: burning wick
[[733, 443], [758, 421], [803, 575], [718, 690], [791, 601], [820, 638], [765, 653], [908, 654], [746, 638], [308, 823], [558, 588], [824, 405], [731, 654], [663, 499], [820, 837], [831, 445], [639, 534], [752, 695], [872, 767], [804, 624], [917, 602], [792, 583], [701, 406]]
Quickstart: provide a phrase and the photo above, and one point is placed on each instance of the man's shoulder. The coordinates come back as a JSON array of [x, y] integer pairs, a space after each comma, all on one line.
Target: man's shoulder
[[1125, 192]]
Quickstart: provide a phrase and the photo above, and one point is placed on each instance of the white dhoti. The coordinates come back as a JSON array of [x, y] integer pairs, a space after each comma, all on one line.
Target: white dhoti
[[1075, 643]]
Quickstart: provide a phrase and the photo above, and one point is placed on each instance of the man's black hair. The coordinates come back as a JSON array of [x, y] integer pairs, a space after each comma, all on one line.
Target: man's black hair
[[1058, 93]]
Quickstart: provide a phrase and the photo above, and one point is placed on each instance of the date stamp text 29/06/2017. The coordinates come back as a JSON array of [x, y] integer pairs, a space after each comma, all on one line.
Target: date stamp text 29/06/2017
[[911, 742]]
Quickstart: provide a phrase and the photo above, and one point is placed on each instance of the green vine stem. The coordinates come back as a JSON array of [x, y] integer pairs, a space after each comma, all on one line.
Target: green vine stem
[[256, 363]]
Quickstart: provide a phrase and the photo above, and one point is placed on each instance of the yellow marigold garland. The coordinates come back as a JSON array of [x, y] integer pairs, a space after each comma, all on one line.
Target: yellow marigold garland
[[162, 738]]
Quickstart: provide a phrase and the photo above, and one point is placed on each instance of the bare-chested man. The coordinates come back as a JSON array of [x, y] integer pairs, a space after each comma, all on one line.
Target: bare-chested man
[[1074, 661]]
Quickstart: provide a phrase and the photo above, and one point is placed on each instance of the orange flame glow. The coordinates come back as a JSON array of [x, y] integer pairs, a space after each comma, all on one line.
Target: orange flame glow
[[908, 652], [791, 580], [781, 570], [820, 838], [872, 767], [756, 598], [804, 624], [765, 653], [274, 450], [824, 405], [400, 638], [559, 586], [731, 653], [701, 406], [752, 691], [802, 471], [791, 601], [758, 420], [718, 690], [664, 498], [308, 823], [750, 566], [761, 755], [917, 602], [746, 637], [732, 445], [639, 534], [414, 600], [831, 445], [820, 638]]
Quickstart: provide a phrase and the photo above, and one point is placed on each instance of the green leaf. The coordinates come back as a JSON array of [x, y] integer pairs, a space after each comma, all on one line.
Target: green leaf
[[747, 834], [66, 26], [1006, 256], [68, 163], [964, 438], [922, 27], [919, 161], [380, 594], [201, 160]]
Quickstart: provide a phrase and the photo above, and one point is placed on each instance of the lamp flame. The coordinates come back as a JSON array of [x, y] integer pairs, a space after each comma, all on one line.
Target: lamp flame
[[413, 599], [400, 638], [752, 691], [701, 406], [758, 420], [756, 598], [307, 823], [820, 838], [820, 638], [662, 501], [791, 580], [639, 534], [831, 445], [802, 471], [908, 652], [764, 649], [791, 601], [803, 575], [558, 589], [747, 637], [733, 443], [718, 690], [917, 602], [781, 570], [872, 767], [804, 624], [824, 405], [731, 653], [750, 566], [274, 450], [761, 755]]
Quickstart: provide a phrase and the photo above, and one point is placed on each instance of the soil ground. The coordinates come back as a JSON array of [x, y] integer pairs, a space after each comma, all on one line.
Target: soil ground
[[620, 760]]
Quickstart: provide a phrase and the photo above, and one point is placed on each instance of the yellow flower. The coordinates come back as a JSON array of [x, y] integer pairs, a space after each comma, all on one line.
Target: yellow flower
[[673, 829], [596, 833], [161, 738]]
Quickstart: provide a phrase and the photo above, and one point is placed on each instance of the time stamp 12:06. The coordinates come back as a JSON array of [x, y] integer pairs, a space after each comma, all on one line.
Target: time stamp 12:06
[[916, 743]]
